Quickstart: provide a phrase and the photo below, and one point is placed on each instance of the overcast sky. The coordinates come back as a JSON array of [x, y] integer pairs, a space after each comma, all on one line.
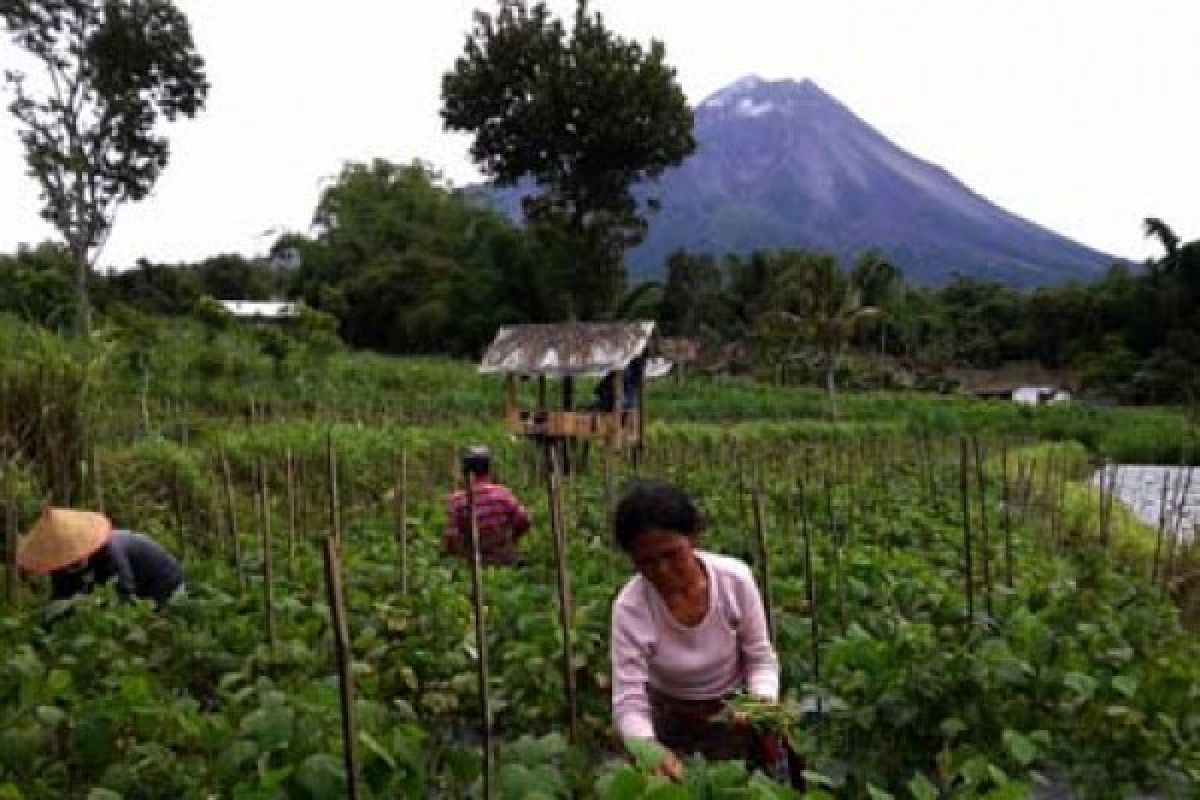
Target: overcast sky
[[1077, 114]]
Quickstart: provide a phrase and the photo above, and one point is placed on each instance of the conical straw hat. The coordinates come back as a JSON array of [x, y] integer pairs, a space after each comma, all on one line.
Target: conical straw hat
[[61, 537]]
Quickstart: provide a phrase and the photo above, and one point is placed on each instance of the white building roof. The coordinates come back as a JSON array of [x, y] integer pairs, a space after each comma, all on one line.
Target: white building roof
[[249, 308]]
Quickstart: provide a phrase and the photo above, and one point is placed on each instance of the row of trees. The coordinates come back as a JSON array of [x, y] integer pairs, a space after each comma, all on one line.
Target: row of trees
[[1134, 334]]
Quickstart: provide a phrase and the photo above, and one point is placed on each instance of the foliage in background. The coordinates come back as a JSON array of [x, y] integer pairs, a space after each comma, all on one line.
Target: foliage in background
[[113, 68]]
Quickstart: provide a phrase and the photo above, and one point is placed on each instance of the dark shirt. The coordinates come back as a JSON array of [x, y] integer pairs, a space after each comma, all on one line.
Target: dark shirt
[[605, 394], [140, 565]]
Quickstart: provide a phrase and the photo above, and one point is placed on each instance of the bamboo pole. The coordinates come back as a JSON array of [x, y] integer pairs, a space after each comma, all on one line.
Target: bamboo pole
[[1008, 500], [835, 538], [289, 466], [477, 599], [10, 534], [764, 557], [985, 541], [231, 516], [341, 643], [264, 499], [401, 519], [177, 510], [335, 514], [563, 574], [810, 589], [968, 570]]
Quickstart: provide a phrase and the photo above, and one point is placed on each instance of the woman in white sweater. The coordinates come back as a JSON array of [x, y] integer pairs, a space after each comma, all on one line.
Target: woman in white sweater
[[687, 631]]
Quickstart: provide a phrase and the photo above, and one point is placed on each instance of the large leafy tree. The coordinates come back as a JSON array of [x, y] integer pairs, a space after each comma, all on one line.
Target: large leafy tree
[[410, 265], [90, 126], [586, 114]]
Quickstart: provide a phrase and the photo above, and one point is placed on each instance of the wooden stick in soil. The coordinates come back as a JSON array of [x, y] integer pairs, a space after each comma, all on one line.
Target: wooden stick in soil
[[477, 601], [341, 646], [10, 534], [335, 513], [401, 518], [764, 558], [289, 467], [811, 589], [231, 517], [968, 567], [1184, 491], [558, 536], [1008, 499], [177, 509], [985, 539], [835, 538], [264, 499]]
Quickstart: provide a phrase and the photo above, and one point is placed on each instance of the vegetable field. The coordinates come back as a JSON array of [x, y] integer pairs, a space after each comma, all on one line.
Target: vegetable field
[[956, 613]]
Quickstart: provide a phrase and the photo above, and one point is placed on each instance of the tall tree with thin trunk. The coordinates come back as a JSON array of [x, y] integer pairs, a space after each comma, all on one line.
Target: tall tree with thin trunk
[[90, 125]]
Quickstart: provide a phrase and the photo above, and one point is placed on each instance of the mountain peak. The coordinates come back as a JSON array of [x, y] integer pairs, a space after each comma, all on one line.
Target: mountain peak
[[751, 96], [785, 164]]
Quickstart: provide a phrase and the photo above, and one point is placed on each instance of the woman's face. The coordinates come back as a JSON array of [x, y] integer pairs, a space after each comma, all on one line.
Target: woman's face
[[665, 558]]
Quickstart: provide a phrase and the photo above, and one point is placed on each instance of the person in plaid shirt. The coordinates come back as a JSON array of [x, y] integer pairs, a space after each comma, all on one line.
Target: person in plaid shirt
[[501, 518]]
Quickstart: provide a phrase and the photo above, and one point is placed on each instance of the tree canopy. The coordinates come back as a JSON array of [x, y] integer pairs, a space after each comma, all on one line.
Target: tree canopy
[[113, 69], [585, 114]]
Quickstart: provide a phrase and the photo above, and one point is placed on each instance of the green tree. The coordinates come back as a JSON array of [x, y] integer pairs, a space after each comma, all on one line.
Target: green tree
[[822, 306], [586, 114], [35, 284], [409, 265], [113, 69], [694, 303]]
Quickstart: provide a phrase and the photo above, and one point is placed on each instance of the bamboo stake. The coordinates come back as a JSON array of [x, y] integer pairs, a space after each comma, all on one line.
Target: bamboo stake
[[289, 466], [10, 534], [764, 558], [264, 499], [839, 581], [231, 512], [558, 535], [985, 540], [341, 643], [811, 590], [335, 514], [401, 509], [477, 598], [177, 508], [968, 571], [1008, 499]]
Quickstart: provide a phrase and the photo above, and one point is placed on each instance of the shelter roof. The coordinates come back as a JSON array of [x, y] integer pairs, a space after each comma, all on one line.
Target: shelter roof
[[566, 349]]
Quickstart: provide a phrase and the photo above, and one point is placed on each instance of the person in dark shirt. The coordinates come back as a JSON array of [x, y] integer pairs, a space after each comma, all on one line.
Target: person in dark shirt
[[80, 550], [604, 398]]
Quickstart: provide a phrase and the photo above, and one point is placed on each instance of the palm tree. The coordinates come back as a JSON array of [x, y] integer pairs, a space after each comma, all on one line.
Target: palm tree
[[823, 307]]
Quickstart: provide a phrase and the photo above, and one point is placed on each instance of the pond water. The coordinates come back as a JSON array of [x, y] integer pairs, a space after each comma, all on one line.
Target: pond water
[[1140, 487]]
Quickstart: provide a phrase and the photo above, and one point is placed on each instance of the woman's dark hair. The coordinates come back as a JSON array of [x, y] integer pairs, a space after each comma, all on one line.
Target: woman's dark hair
[[649, 505], [477, 460]]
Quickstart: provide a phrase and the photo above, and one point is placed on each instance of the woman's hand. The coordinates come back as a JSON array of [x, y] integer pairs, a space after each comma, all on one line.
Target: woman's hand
[[670, 766]]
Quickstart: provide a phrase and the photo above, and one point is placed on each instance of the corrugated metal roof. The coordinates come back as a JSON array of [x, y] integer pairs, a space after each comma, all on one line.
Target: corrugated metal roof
[[570, 348], [250, 308]]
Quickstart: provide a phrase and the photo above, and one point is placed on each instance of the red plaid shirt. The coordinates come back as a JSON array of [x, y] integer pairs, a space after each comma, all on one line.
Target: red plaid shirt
[[501, 519]]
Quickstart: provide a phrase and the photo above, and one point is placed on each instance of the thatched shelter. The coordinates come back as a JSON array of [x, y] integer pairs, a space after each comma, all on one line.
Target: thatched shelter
[[567, 351]]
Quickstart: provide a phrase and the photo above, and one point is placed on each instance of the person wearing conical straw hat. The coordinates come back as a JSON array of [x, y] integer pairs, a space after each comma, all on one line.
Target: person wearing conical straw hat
[[81, 550]]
